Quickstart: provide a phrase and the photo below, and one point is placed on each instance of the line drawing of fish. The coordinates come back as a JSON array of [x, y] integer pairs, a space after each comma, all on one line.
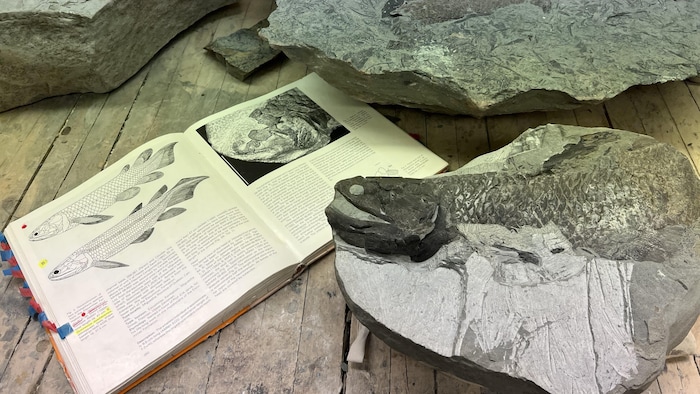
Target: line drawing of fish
[[120, 188], [135, 228]]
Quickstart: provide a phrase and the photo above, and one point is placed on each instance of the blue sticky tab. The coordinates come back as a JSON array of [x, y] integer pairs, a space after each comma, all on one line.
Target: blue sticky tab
[[8, 271], [64, 330], [42, 317], [2, 237], [25, 285], [31, 310], [5, 255]]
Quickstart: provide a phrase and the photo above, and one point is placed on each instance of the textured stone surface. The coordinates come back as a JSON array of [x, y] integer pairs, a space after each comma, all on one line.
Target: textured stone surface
[[54, 47], [481, 57], [244, 51], [566, 262]]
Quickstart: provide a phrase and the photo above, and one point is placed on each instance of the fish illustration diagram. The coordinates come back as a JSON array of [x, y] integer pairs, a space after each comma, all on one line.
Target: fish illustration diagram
[[135, 228], [120, 188]]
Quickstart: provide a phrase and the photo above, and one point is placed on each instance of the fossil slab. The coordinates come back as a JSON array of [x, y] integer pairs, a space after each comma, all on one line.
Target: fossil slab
[[54, 47], [244, 51], [481, 57], [566, 262]]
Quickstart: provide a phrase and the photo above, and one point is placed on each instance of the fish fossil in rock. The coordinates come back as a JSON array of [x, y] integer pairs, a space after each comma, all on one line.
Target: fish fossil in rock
[[566, 262], [602, 192]]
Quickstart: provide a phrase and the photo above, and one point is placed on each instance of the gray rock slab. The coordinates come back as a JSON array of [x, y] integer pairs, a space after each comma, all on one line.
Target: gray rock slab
[[54, 47], [244, 51], [480, 57], [565, 262]]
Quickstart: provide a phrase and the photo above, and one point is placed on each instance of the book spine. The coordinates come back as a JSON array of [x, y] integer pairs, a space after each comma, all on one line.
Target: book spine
[[34, 308]]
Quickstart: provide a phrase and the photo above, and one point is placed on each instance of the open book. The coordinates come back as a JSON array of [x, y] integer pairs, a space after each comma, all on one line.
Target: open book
[[182, 235]]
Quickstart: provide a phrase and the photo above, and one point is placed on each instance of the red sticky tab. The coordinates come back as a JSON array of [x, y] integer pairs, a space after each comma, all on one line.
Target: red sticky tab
[[12, 261], [18, 274], [35, 305], [4, 246], [49, 325], [25, 292]]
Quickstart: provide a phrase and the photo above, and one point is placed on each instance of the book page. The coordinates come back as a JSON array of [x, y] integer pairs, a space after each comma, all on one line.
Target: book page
[[165, 253], [287, 150], [194, 226]]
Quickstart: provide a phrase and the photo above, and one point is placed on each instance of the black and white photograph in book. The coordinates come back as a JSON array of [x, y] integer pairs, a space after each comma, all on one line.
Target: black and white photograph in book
[[257, 140]]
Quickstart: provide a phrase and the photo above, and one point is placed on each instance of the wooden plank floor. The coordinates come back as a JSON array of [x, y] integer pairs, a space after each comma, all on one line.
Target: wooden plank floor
[[294, 341]]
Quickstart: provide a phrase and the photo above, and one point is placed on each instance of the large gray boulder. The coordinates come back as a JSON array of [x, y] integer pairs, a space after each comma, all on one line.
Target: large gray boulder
[[55, 47], [566, 262], [480, 57]]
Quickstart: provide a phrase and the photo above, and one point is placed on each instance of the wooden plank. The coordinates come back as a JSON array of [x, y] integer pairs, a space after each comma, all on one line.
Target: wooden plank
[[592, 116], [60, 158], [163, 67], [655, 117], [472, 138], [503, 129], [232, 91], [446, 384], [566, 117], [185, 99], [320, 352], [261, 345], [27, 361], [53, 381], [686, 116], [623, 114], [44, 121], [441, 138], [409, 376], [413, 122], [374, 374], [104, 132], [680, 377]]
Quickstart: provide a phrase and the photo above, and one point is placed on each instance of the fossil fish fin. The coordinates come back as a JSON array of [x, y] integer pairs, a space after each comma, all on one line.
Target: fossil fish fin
[[143, 157], [146, 234], [150, 177], [159, 193], [184, 190], [165, 155], [106, 264], [128, 193], [172, 212], [92, 219], [138, 208]]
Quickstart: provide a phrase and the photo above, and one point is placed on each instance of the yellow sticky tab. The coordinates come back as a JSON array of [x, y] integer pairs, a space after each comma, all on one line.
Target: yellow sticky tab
[[42, 263]]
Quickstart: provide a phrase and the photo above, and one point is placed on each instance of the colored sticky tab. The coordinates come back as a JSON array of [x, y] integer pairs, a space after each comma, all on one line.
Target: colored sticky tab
[[25, 284], [36, 307], [11, 271], [5, 254], [2, 237], [4, 245], [12, 261], [64, 330], [48, 325], [42, 316], [17, 273], [32, 312], [25, 292]]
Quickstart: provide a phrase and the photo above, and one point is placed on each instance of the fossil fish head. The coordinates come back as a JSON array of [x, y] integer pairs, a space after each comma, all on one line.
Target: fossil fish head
[[72, 265], [389, 216], [54, 225]]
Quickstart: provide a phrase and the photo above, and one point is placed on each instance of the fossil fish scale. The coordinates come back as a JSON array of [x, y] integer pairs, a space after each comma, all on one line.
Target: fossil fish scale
[[565, 262]]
